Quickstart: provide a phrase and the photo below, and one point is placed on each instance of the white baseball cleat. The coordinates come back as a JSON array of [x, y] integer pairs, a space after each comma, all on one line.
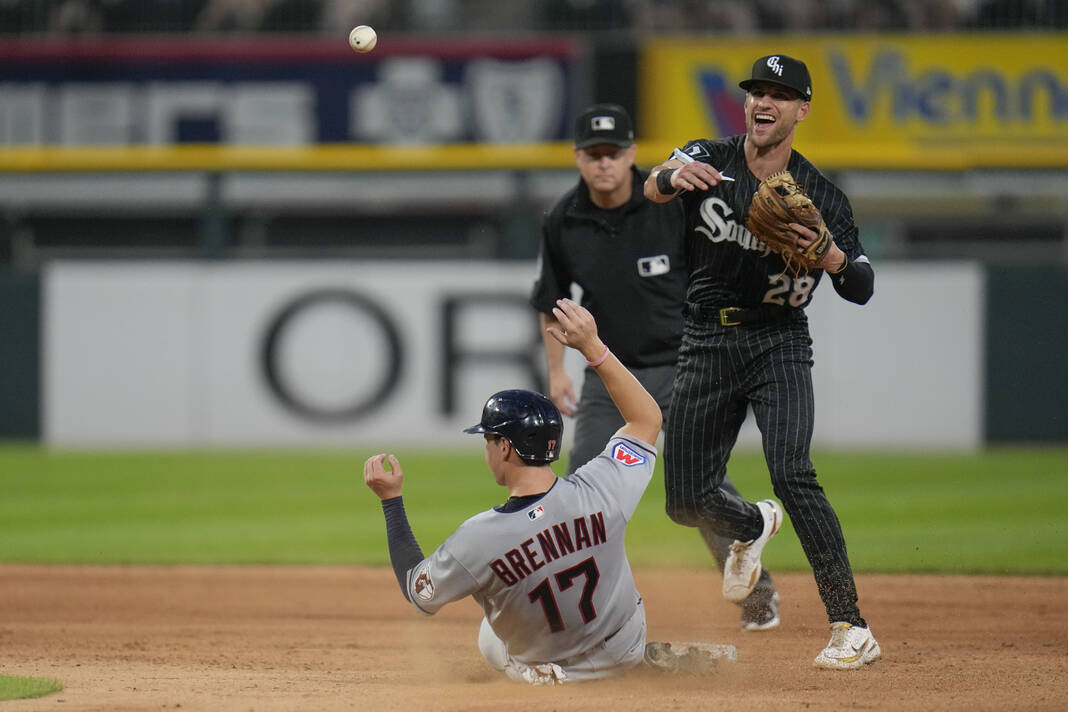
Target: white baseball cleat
[[742, 569], [850, 648]]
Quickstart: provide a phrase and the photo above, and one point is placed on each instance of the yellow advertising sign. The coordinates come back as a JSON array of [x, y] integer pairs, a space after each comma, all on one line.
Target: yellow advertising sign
[[878, 101]]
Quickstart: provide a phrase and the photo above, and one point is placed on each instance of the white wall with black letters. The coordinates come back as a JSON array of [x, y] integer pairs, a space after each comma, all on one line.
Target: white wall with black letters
[[361, 353]]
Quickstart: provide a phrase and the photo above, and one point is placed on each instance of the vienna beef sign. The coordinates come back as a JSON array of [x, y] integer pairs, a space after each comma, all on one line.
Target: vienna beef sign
[[945, 101]]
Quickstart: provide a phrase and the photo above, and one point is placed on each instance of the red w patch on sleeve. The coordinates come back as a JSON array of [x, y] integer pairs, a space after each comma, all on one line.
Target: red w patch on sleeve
[[627, 455]]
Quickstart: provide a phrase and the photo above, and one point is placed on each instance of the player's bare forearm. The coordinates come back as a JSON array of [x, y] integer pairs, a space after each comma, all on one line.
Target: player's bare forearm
[[639, 409], [834, 261]]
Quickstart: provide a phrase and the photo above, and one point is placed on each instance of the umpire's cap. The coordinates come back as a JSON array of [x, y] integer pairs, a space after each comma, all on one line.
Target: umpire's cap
[[604, 124], [782, 70], [528, 420]]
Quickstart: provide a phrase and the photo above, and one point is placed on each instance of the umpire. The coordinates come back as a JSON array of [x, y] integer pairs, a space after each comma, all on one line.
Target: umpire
[[627, 254]]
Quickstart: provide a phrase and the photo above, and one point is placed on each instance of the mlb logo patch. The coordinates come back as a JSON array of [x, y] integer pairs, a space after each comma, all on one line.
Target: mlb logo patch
[[654, 266], [627, 455], [536, 512], [603, 123]]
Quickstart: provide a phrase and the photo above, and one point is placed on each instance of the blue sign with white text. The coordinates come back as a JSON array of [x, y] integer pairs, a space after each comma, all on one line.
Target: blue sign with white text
[[282, 93]]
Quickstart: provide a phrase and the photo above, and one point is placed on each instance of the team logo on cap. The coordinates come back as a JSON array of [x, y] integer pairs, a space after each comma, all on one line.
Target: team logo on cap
[[603, 123], [536, 512], [626, 455], [773, 64]]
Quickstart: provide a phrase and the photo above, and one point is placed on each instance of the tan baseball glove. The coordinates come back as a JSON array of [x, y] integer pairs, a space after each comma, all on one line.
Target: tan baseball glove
[[779, 201]]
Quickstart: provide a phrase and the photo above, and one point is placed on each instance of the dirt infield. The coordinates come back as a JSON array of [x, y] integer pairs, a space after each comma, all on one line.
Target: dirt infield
[[319, 638]]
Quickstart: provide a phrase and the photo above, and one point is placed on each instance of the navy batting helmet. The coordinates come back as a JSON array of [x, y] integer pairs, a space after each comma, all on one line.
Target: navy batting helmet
[[528, 420]]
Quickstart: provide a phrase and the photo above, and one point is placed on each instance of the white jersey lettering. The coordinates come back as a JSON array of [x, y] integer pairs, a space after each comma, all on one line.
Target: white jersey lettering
[[721, 227]]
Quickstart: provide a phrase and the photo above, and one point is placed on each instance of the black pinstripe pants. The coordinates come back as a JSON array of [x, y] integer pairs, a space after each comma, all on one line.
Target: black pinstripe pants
[[721, 371], [599, 419]]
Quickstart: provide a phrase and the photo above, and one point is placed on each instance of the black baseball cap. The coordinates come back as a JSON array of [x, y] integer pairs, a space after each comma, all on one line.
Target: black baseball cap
[[782, 70], [604, 123]]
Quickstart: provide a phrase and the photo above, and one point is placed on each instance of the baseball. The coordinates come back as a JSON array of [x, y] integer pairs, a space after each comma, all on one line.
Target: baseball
[[363, 38]]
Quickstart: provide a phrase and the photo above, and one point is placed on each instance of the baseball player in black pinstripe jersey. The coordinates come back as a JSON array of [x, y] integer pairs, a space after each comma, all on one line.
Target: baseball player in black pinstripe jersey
[[746, 343]]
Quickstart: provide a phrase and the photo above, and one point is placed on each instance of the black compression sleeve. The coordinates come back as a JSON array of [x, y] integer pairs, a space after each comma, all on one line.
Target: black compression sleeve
[[404, 551], [856, 282]]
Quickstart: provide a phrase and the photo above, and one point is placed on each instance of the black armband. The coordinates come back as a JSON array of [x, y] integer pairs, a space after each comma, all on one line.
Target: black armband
[[663, 182]]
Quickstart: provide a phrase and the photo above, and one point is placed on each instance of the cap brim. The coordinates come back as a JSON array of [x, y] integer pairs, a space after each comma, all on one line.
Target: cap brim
[[745, 84], [475, 429], [597, 141]]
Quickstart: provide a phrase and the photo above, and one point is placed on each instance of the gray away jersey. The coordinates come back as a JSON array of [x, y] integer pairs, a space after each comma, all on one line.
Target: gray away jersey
[[552, 578]]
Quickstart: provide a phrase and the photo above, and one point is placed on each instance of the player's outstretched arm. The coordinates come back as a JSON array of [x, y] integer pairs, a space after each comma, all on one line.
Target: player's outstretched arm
[[576, 328], [404, 551]]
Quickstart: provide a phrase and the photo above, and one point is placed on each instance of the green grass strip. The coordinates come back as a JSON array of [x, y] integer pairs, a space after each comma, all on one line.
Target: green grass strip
[[999, 511], [22, 688]]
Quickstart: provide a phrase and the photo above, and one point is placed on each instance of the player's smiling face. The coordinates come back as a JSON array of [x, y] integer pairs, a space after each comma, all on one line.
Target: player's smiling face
[[771, 113], [606, 169]]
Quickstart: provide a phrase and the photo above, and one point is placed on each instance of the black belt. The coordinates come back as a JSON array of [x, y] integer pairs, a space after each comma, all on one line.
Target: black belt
[[735, 316]]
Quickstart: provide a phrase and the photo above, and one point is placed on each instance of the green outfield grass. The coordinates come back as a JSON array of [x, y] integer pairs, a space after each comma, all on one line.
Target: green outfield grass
[[21, 688], [1001, 511]]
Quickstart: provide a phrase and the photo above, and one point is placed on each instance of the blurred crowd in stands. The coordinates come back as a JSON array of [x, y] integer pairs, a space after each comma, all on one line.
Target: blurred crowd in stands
[[69, 17]]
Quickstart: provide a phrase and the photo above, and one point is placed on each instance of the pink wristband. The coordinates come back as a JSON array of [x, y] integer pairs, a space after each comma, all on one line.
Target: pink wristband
[[599, 361]]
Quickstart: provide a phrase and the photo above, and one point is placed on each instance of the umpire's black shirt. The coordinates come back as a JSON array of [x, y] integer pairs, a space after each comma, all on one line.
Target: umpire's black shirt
[[630, 263]]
